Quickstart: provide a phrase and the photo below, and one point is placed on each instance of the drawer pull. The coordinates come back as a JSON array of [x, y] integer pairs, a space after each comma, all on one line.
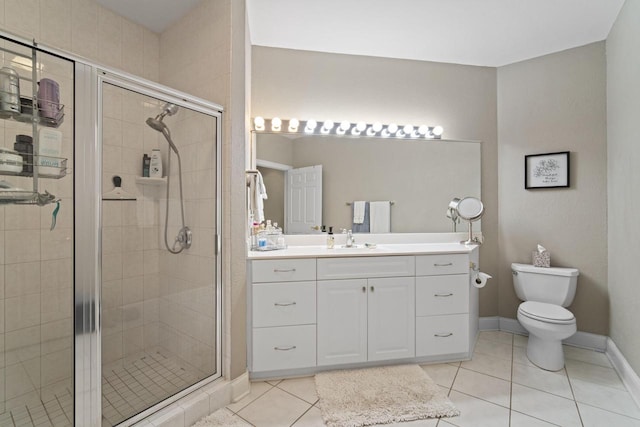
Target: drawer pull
[[443, 265], [443, 335], [442, 295], [293, 347], [284, 304], [291, 270]]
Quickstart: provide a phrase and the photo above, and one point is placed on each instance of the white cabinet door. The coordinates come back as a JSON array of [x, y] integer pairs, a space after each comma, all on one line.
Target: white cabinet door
[[303, 200], [342, 321], [391, 318]]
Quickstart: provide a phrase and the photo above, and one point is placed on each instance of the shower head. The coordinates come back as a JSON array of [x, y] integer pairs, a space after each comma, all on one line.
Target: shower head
[[157, 123]]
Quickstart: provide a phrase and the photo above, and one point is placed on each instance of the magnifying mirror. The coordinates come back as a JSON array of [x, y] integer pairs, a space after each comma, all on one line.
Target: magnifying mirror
[[470, 209]]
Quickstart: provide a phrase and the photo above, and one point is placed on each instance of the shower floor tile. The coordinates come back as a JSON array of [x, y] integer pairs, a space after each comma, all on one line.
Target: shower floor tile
[[131, 386], [56, 412]]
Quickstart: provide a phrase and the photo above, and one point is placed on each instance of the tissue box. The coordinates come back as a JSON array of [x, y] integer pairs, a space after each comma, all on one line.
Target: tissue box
[[541, 259]]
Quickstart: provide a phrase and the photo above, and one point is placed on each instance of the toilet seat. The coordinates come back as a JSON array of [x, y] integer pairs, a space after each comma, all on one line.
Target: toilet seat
[[548, 313]]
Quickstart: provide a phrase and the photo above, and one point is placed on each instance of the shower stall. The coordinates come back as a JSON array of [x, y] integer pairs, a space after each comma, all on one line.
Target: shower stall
[[110, 281]]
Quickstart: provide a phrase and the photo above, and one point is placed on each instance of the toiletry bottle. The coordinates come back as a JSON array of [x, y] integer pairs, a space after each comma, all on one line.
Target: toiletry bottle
[[155, 170], [331, 241], [146, 164], [24, 146]]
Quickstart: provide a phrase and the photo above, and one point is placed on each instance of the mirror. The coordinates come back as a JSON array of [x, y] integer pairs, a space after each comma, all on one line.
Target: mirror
[[470, 209], [419, 177]]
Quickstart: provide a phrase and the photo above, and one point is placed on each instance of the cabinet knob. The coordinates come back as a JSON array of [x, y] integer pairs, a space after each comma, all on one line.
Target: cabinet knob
[[443, 335], [364, 289], [372, 289], [293, 347]]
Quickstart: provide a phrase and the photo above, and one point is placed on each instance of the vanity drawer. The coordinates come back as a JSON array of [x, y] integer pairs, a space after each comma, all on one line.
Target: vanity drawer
[[285, 347], [283, 304], [429, 265], [436, 335], [436, 295], [364, 267], [285, 270]]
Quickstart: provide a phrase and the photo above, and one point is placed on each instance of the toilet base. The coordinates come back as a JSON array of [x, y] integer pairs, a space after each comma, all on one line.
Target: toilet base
[[545, 354]]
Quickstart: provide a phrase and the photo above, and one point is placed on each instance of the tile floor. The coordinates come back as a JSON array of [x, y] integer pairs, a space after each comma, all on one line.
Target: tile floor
[[499, 387]]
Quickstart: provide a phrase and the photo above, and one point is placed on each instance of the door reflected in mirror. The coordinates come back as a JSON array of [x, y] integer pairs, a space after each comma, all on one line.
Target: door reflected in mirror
[[421, 177]]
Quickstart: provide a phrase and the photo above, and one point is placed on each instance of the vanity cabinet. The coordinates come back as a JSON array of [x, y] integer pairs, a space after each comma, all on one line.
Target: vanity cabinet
[[313, 313]]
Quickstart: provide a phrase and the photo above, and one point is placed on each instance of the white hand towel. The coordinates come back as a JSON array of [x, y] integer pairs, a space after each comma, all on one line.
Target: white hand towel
[[261, 195], [358, 212], [380, 217]]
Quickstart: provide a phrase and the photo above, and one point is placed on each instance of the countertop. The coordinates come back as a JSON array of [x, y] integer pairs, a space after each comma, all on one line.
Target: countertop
[[310, 251]]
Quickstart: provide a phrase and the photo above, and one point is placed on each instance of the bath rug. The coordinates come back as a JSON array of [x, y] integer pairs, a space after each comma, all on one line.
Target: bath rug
[[222, 418], [381, 395]]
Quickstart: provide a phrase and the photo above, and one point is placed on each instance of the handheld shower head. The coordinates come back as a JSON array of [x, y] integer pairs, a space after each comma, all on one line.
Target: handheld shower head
[[157, 123]]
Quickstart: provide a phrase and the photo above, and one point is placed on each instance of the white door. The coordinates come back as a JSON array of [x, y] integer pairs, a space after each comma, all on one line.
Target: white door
[[342, 321], [303, 200], [391, 318]]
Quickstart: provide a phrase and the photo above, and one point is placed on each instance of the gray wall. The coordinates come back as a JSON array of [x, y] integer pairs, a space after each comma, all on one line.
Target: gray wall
[[623, 153], [556, 103], [291, 83]]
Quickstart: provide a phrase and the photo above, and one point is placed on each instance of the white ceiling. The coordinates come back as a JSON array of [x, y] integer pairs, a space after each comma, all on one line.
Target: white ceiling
[[474, 32]]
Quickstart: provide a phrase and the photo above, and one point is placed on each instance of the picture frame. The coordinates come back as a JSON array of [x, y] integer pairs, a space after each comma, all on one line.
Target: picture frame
[[547, 170]]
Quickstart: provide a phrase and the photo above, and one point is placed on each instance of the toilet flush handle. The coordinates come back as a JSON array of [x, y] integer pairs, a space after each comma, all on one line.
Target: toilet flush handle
[[515, 273]]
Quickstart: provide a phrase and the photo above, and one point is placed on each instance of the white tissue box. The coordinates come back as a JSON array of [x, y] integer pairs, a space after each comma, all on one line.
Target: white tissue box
[[541, 259]]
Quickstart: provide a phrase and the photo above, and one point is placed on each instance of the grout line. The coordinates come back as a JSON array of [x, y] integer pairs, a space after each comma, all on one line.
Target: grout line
[[301, 415]]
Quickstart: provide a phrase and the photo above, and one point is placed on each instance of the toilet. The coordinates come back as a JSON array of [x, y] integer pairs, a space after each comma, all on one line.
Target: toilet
[[545, 292]]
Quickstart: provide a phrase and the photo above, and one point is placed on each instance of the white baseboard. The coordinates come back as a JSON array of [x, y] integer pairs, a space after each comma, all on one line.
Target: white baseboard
[[624, 370], [579, 339], [240, 387]]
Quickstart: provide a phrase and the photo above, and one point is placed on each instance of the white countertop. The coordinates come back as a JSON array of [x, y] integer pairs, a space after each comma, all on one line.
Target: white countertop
[[311, 251]]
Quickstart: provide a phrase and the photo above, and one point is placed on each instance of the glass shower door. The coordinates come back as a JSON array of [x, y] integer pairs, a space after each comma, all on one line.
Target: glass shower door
[[159, 294], [36, 237]]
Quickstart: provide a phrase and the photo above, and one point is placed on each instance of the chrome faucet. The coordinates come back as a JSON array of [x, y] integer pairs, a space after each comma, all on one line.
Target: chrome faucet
[[350, 239]]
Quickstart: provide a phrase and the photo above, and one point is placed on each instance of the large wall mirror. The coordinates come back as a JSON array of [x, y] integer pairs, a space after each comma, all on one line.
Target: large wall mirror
[[420, 177]]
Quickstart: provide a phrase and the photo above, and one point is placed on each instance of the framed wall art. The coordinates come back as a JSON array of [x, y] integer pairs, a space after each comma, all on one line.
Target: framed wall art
[[548, 170]]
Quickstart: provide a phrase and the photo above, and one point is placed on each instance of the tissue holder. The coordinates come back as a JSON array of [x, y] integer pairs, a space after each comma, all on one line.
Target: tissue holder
[[541, 259]]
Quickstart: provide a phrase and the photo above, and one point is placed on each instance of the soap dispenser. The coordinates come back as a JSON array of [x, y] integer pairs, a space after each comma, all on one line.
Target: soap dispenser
[[331, 241]]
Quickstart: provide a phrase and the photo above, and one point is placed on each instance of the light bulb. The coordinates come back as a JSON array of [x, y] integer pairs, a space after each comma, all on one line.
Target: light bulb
[[408, 129], [437, 131], [392, 128], [327, 126], [310, 126], [258, 123], [358, 128], [377, 127], [344, 127], [293, 125], [423, 129], [276, 124]]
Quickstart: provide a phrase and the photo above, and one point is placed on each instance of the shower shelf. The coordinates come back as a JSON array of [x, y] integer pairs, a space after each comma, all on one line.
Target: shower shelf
[[143, 180], [56, 170]]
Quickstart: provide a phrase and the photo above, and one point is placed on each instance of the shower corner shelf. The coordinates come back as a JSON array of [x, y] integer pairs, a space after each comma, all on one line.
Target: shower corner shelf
[[48, 167], [143, 180]]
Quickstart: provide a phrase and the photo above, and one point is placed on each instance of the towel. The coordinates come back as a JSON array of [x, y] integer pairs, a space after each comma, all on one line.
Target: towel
[[358, 212], [260, 195], [364, 226], [380, 216]]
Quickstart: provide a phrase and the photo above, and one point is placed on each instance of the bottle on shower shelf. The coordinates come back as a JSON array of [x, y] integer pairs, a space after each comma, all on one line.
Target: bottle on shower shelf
[[155, 169]]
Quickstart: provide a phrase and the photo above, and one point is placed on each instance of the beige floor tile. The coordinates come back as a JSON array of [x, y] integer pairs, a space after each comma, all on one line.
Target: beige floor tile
[[476, 413], [596, 417], [520, 356], [311, 418], [304, 388], [433, 422], [274, 382], [258, 388], [483, 386], [489, 365], [545, 406], [585, 355], [275, 408], [520, 340], [496, 336], [443, 374], [593, 373], [608, 398], [552, 382], [495, 349], [522, 420]]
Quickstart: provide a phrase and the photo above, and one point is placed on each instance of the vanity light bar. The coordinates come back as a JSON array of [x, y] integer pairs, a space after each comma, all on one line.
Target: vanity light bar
[[344, 128]]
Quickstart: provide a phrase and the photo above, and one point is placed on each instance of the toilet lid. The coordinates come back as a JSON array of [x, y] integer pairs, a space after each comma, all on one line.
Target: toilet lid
[[544, 312]]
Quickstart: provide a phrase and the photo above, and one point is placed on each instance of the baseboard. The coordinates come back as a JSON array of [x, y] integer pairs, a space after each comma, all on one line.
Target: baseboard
[[240, 387], [624, 370], [579, 339]]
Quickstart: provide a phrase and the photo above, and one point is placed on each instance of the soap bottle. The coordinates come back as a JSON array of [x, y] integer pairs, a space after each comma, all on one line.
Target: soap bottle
[[155, 170], [146, 165], [331, 241]]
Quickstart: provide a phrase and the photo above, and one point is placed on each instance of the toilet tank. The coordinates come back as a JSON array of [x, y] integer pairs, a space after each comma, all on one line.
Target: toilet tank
[[553, 285]]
